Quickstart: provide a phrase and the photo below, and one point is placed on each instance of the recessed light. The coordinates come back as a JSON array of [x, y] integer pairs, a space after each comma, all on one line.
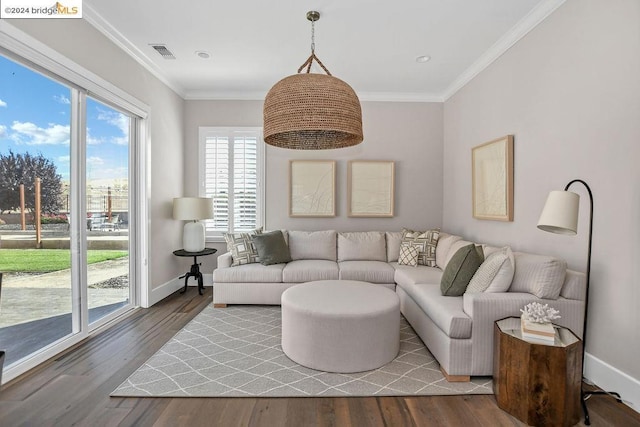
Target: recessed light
[[202, 54], [424, 58]]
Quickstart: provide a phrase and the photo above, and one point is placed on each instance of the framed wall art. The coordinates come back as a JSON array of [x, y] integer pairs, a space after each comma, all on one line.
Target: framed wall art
[[492, 179], [370, 188], [312, 190]]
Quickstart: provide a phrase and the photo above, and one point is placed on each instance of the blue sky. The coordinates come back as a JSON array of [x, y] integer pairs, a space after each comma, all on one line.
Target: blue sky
[[35, 117]]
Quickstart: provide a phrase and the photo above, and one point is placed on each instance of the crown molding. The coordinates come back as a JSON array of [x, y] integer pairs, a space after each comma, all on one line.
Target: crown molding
[[363, 96], [399, 97], [207, 95], [522, 28], [109, 31]]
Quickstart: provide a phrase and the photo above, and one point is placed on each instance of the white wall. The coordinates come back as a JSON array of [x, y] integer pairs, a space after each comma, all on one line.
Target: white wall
[[570, 93], [408, 133], [84, 45]]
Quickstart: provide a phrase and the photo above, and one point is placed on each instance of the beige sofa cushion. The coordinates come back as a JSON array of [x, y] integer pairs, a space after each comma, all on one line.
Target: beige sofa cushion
[[444, 246], [366, 271], [362, 246], [308, 270], [313, 245], [574, 285], [412, 275], [394, 238], [542, 276], [453, 248], [249, 273]]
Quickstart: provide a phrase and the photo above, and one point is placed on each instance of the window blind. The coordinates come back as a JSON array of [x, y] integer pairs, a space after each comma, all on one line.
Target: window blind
[[232, 170]]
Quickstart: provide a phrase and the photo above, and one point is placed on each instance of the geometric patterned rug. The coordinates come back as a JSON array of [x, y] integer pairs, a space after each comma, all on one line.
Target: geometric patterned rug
[[235, 352]]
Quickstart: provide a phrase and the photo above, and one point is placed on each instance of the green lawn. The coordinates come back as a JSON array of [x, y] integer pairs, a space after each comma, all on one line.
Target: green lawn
[[45, 260]]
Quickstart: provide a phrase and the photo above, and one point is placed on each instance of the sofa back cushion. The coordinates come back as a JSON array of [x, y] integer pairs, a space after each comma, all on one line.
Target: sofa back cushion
[[312, 245], [444, 246], [362, 246], [453, 248], [394, 238], [542, 276]]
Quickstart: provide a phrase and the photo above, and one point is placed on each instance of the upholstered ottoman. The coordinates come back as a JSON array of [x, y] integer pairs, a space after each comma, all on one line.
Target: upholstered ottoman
[[340, 325]]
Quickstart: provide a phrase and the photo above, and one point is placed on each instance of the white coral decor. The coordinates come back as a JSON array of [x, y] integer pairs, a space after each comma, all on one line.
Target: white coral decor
[[538, 313]]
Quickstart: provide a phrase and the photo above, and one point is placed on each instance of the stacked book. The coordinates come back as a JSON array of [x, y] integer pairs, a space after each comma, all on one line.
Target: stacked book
[[537, 331]]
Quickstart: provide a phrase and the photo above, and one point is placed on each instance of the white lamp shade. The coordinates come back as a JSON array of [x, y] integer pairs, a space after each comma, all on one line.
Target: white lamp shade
[[193, 237], [192, 208], [560, 213]]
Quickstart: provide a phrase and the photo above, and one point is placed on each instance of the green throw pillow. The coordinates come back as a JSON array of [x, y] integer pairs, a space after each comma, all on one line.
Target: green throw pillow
[[271, 247], [460, 269]]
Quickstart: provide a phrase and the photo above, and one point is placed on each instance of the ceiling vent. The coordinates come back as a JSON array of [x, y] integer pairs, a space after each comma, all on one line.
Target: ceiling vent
[[163, 51]]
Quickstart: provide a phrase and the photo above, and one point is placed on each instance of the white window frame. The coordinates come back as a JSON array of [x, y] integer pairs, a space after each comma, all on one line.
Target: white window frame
[[205, 132]]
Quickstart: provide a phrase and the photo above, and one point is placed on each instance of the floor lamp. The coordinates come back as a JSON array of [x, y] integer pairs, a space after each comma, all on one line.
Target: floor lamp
[[560, 216]]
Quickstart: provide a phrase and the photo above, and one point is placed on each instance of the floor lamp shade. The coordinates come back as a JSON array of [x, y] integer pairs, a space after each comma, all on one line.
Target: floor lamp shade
[[560, 216], [193, 209], [560, 213]]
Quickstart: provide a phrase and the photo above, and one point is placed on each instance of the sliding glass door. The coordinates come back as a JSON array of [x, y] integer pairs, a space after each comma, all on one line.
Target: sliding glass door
[[36, 295], [66, 216], [107, 204]]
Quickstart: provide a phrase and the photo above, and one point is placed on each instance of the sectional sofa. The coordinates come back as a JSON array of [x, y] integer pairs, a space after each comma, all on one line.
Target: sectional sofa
[[458, 330]]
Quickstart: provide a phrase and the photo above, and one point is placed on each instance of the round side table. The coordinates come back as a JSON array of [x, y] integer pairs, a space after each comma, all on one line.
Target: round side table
[[195, 268]]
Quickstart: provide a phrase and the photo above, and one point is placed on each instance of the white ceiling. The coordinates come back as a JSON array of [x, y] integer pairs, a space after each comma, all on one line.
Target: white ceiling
[[372, 45]]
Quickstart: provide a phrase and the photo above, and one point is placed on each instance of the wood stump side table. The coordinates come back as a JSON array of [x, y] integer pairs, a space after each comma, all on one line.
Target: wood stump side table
[[538, 383]]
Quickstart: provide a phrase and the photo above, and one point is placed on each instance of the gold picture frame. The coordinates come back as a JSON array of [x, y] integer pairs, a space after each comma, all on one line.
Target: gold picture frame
[[312, 188], [492, 179], [370, 188]]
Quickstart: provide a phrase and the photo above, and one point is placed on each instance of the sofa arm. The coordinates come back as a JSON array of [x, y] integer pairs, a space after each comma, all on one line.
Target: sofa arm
[[225, 260], [485, 308]]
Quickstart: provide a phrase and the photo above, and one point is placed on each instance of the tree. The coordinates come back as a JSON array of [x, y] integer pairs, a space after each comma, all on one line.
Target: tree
[[16, 169]]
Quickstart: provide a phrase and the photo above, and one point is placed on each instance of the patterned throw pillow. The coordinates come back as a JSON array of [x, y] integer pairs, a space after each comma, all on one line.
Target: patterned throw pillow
[[495, 273], [425, 242], [408, 255], [241, 246]]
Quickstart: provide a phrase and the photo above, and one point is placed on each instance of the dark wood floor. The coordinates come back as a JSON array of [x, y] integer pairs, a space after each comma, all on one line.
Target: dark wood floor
[[73, 389]]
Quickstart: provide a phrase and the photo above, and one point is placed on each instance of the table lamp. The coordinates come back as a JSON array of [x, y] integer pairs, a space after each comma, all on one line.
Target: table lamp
[[193, 209]]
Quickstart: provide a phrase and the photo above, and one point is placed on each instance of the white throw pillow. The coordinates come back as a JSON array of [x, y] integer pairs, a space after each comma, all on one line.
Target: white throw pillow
[[495, 273]]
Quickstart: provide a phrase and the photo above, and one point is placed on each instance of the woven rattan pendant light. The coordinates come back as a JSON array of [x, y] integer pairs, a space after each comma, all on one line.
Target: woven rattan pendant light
[[308, 111]]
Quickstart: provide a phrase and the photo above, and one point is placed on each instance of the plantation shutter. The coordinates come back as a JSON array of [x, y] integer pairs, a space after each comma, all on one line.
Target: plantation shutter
[[232, 171], [217, 161], [245, 183]]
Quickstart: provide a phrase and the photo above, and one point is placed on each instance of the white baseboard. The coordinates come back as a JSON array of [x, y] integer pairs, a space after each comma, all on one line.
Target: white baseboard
[[160, 292], [610, 378]]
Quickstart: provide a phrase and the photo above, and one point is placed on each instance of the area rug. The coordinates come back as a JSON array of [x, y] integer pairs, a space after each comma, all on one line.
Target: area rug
[[235, 352]]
